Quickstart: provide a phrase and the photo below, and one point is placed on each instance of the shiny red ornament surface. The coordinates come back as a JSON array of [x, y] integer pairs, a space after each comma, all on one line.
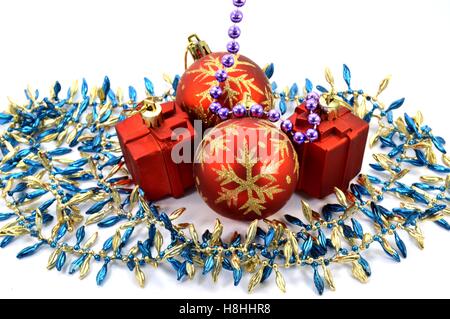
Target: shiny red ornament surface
[[246, 169], [336, 158], [243, 78], [147, 152]]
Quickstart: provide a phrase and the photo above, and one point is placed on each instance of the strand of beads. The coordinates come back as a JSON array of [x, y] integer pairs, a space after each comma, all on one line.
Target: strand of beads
[[227, 60], [311, 135]]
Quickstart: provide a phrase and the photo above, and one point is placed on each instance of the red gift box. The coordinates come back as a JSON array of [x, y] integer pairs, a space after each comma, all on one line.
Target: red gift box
[[336, 158], [147, 152]]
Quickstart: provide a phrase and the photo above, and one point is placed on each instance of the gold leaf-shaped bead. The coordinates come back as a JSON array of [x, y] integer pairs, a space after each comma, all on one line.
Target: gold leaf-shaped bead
[[328, 277], [340, 197], [287, 251], [52, 259], [446, 160], [255, 279], [294, 245], [383, 85], [401, 174], [217, 268], [279, 279], [116, 240], [177, 213], [335, 238], [84, 269], [430, 155], [329, 76], [400, 123], [217, 232], [91, 241], [174, 251], [140, 276], [307, 211], [447, 182], [251, 233], [235, 262], [387, 246], [158, 241], [346, 258], [116, 197], [97, 217], [190, 270], [194, 234], [418, 118], [134, 197], [358, 272], [38, 220]]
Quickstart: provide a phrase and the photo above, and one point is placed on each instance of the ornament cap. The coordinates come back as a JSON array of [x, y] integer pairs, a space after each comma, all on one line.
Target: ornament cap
[[151, 112], [197, 48]]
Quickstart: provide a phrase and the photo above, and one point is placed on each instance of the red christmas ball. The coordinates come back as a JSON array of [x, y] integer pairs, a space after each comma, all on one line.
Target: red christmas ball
[[246, 169], [244, 77]]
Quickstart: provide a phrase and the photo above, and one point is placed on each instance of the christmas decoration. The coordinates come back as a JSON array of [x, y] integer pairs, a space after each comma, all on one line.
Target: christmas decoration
[[336, 158], [244, 76], [147, 144], [246, 169], [45, 190]]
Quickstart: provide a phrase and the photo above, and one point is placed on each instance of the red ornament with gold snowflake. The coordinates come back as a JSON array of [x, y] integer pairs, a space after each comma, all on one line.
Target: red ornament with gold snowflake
[[245, 77], [246, 169]]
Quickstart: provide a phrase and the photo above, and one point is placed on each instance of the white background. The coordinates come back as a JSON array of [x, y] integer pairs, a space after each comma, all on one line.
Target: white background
[[48, 40]]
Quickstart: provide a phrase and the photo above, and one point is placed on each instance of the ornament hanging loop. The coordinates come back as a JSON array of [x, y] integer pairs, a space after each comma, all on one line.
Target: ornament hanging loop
[[197, 48]]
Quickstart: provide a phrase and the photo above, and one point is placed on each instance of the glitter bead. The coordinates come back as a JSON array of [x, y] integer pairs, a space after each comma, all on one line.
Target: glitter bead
[[313, 119], [233, 47], [256, 110], [273, 115], [239, 110], [299, 137], [214, 107], [228, 60], [234, 32], [312, 134], [215, 92], [221, 75], [223, 113], [236, 16], [286, 126], [239, 3]]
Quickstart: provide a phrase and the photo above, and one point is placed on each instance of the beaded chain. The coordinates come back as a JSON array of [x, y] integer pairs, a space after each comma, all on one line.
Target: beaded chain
[[256, 110], [64, 203]]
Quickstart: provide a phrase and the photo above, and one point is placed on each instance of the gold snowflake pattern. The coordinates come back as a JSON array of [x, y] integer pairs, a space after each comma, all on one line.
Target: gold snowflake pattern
[[243, 82], [256, 195]]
